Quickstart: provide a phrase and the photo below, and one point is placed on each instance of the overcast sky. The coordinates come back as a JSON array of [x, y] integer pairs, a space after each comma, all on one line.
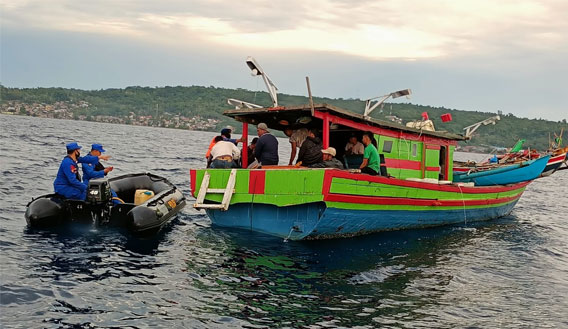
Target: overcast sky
[[483, 55]]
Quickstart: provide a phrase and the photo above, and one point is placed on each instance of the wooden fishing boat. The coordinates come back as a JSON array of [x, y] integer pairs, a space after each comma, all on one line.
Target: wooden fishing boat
[[505, 174], [303, 203], [556, 160], [317, 203]]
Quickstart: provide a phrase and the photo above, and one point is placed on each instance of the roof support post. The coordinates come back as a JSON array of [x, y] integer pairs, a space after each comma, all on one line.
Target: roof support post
[[245, 145], [325, 130]]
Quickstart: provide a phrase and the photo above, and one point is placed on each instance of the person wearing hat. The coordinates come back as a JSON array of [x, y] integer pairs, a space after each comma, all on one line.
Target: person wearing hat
[[226, 133], [68, 183], [328, 159], [266, 149], [96, 170]]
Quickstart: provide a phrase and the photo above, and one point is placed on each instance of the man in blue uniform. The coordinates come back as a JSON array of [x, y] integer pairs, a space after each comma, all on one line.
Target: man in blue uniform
[[68, 181], [96, 170]]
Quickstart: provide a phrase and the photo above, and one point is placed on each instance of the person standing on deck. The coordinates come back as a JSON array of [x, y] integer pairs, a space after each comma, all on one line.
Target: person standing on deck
[[296, 138], [226, 133], [310, 152], [266, 149], [371, 159], [224, 154]]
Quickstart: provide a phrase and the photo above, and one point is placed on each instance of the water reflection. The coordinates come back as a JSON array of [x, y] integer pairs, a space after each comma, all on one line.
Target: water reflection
[[334, 282]]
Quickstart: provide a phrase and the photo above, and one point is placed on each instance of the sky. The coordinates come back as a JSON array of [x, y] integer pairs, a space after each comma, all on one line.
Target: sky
[[477, 55]]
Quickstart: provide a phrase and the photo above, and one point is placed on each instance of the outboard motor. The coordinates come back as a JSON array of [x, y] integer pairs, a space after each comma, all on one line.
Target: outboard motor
[[99, 192], [100, 199]]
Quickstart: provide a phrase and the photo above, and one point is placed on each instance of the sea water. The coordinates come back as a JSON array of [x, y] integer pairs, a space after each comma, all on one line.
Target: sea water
[[506, 273]]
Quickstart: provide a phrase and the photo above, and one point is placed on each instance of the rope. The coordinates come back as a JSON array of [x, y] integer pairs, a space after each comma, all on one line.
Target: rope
[[289, 234]]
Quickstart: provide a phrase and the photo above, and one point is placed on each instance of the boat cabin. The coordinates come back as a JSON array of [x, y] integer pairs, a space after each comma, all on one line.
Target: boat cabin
[[408, 152]]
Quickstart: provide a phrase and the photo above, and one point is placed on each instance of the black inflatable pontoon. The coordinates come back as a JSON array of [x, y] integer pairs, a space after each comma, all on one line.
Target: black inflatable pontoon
[[147, 217]]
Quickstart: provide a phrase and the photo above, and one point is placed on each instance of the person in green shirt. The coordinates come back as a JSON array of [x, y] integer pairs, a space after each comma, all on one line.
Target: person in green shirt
[[371, 160]]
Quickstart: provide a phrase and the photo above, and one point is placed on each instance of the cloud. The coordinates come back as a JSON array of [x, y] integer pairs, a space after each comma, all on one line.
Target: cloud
[[371, 29]]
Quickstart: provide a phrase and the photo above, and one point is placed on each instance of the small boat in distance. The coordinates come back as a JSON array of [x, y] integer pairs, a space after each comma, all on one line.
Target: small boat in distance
[[504, 174]]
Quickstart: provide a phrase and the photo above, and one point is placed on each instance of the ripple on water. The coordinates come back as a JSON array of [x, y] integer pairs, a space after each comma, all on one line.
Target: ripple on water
[[512, 272]]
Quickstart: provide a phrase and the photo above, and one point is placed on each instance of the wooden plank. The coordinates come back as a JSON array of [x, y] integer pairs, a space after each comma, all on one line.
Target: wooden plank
[[229, 189], [209, 206], [203, 188]]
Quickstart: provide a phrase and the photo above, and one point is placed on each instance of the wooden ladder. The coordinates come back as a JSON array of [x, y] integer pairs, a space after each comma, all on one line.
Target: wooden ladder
[[227, 192]]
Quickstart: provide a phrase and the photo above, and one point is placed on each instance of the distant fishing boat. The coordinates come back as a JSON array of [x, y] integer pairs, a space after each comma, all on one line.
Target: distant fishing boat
[[504, 174], [553, 164]]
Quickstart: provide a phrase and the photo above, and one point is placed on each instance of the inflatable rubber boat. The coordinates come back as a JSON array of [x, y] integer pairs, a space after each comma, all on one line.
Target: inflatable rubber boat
[[144, 203]]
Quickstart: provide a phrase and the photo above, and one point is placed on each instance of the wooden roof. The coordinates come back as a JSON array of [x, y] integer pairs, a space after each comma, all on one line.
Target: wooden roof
[[282, 117]]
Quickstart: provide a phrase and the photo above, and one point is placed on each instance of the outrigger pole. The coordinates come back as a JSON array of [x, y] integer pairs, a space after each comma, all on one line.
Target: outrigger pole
[[369, 108], [469, 130], [257, 70]]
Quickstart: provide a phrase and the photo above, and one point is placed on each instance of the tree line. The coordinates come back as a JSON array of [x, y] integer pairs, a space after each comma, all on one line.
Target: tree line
[[210, 102]]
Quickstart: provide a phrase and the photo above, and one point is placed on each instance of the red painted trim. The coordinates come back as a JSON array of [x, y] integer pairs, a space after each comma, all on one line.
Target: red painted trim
[[432, 168], [415, 202], [556, 159], [447, 166], [245, 144], [257, 181], [331, 173], [192, 180], [384, 131], [403, 164], [326, 130], [432, 147]]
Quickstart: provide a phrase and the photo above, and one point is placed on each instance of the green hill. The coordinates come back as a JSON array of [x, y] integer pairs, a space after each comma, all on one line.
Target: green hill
[[210, 102]]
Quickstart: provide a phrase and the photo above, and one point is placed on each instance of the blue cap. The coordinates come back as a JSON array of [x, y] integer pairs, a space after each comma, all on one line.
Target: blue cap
[[72, 146], [97, 147], [225, 131]]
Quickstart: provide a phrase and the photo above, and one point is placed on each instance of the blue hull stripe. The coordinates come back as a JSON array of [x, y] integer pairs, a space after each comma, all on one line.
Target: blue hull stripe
[[314, 220]]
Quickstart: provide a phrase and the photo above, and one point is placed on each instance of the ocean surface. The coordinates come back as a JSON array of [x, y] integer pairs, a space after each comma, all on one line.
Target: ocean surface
[[506, 273]]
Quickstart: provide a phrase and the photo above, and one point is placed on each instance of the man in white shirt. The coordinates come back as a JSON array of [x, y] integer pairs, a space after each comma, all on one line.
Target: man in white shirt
[[225, 154], [297, 137], [354, 147]]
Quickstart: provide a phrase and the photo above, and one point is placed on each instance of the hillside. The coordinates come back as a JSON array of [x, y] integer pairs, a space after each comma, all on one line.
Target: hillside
[[199, 107]]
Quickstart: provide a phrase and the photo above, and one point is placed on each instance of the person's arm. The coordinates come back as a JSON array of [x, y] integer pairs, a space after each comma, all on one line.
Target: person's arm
[[89, 171], [293, 154], [364, 163]]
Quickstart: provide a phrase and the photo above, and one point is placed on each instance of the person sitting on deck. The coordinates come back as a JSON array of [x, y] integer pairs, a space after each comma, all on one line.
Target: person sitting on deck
[[329, 160], [224, 154], [310, 152], [354, 147], [371, 159], [296, 138], [266, 149]]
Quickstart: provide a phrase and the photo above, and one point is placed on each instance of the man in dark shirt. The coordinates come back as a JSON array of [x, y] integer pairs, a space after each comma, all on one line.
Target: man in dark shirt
[[310, 151], [266, 149]]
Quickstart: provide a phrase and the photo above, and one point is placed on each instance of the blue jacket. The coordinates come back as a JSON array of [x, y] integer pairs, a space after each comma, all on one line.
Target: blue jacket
[[68, 174], [266, 150], [90, 172]]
